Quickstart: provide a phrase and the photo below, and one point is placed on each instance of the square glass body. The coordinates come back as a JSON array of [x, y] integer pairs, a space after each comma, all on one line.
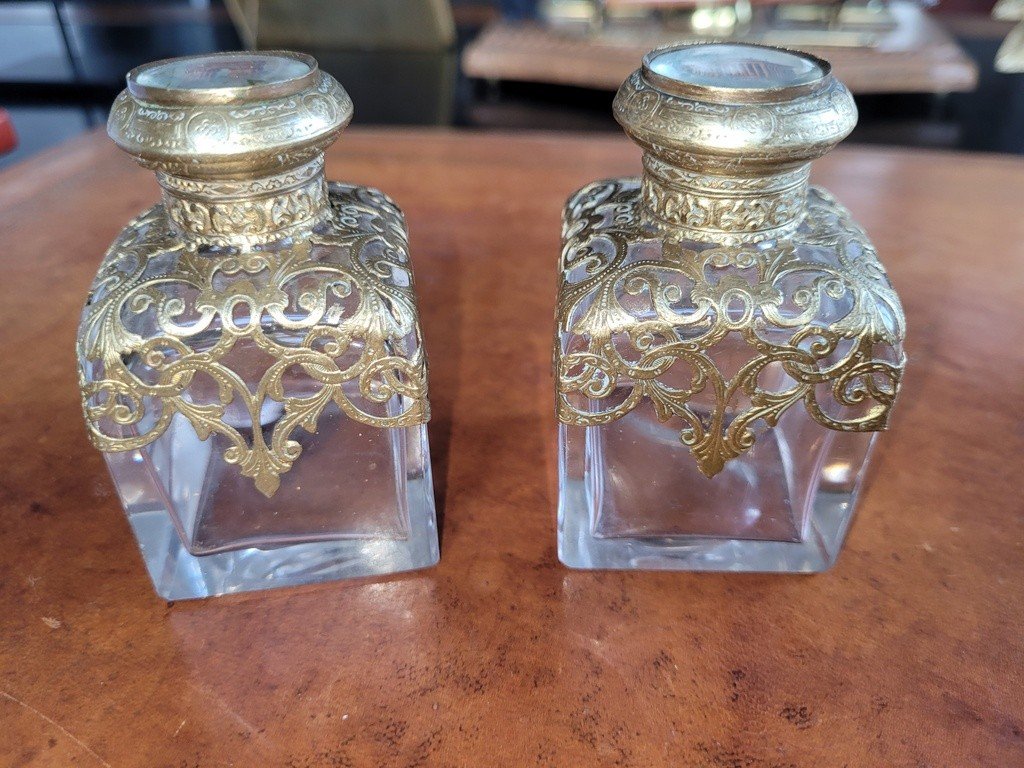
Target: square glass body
[[631, 496], [644, 489], [348, 497]]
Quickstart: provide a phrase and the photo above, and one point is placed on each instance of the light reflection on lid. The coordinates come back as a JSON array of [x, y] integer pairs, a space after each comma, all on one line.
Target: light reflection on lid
[[225, 71], [735, 65]]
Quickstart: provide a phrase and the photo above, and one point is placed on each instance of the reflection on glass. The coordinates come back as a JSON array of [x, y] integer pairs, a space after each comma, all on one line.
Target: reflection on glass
[[226, 71], [734, 65]]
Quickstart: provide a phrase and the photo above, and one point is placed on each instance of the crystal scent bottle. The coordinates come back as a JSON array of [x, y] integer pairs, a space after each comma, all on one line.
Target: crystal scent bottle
[[250, 359], [728, 344]]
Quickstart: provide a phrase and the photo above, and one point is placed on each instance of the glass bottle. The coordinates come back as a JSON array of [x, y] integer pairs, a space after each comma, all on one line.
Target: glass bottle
[[728, 344], [250, 354]]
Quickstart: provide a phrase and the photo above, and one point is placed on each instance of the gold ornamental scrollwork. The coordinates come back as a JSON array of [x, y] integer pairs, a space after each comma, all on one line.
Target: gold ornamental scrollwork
[[834, 325], [349, 324]]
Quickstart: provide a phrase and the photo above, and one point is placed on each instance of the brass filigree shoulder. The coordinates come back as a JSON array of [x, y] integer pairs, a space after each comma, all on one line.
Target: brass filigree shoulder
[[162, 315], [636, 308]]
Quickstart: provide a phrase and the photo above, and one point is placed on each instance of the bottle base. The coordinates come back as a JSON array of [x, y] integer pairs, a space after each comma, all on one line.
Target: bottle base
[[179, 575], [815, 552]]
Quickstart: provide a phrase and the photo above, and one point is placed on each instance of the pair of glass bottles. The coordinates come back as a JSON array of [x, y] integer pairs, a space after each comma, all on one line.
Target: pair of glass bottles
[[251, 362]]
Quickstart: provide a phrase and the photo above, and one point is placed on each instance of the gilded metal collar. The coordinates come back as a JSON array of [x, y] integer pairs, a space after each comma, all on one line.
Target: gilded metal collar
[[248, 212], [727, 132], [236, 140], [684, 204]]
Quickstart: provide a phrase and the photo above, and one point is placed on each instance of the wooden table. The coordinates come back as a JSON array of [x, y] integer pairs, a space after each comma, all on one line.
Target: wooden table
[[908, 653], [918, 56]]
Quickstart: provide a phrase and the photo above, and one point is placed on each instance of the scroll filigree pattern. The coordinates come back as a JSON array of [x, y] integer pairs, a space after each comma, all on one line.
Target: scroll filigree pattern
[[634, 307], [338, 307]]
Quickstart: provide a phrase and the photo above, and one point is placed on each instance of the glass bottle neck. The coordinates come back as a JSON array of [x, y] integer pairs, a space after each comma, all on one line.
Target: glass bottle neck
[[246, 212], [723, 208]]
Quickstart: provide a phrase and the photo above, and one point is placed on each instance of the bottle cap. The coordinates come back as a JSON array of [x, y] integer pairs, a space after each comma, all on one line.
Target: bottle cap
[[228, 115], [740, 108]]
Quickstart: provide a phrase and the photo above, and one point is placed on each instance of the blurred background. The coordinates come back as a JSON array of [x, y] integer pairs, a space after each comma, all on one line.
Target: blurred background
[[937, 76]]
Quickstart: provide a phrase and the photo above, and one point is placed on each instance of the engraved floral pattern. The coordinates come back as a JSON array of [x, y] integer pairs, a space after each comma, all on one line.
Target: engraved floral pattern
[[781, 132], [172, 138]]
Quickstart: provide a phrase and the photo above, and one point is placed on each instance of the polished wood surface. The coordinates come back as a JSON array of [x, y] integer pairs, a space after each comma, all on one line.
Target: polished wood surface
[[907, 653], [918, 56]]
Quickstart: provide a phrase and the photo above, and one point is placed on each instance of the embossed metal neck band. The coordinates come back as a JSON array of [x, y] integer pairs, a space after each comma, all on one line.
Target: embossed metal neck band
[[729, 210], [246, 212]]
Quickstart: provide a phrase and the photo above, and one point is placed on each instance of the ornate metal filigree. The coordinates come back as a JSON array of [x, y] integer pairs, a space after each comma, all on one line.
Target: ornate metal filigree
[[633, 305], [337, 305]]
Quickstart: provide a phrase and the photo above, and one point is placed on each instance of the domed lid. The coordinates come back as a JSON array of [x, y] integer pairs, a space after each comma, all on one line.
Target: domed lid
[[228, 115], [733, 105]]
